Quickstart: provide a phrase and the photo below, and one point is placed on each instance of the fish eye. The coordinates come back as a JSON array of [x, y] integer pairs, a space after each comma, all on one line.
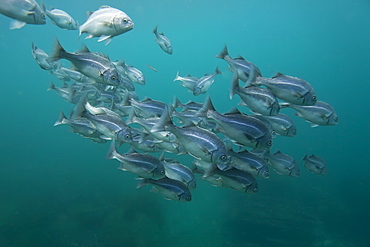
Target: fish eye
[[127, 136], [42, 15], [269, 143], [314, 97], [255, 190], [162, 172], [297, 172], [113, 77], [188, 198], [124, 20], [267, 174], [223, 157]]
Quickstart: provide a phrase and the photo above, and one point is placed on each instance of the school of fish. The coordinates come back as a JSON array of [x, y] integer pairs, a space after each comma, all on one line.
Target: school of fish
[[230, 150]]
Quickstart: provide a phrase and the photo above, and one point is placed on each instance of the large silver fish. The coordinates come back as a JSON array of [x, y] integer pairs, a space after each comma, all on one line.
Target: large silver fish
[[170, 189], [23, 12], [319, 114], [61, 18], [290, 89], [163, 41], [94, 65], [106, 22]]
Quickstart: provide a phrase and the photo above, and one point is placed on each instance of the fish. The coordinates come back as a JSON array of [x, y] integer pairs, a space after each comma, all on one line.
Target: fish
[[250, 162], [148, 107], [42, 59], [259, 100], [290, 89], [321, 113], [245, 70], [142, 164], [204, 83], [200, 143], [163, 41], [23, 12], [61, 18], [170, 189], [134, 74], [242, 129], [155, 70], [93, 65], [176, 170], [283, 164], [188, 82], [282, 124], [66, 92], [237, 180], [315, 164], [106, 23], [72, 75]]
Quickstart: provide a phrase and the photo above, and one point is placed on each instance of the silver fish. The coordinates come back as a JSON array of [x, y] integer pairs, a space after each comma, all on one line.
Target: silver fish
[[106, 23], [94, 65], [319, 114], [187, 82], [283, 125], [61, 18], [141, 164], [148, 107], [163, 41], [283, 164], [171, 189], [259, 100], [198, 142], [290, 89], [315, 164], [238, 180], [249, 162], [23, 12], [42, 59], [176, 170], [204, 83], [134, 74], [245, 70]]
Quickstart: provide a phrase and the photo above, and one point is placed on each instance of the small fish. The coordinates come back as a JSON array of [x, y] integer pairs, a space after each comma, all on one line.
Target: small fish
[[283, 164], [23, 12], [188, 82], [163, 41], [291, 89], [152, 68], [282, 124], [60, 18], [42, 59], [250, 162], [170, 189], [245, 70], [148, 107], [105, 23], [315, 164], [321, 113], [176, 170], [238, 180], [134, 74], [94, 65], [204, 83], [141, 164]]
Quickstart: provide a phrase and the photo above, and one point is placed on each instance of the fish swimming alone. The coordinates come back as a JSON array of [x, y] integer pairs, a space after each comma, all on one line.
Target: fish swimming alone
[[163, 41]]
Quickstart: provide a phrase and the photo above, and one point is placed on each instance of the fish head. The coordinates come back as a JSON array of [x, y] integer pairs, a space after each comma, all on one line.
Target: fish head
[[219, 157], [185, 197], [111, 77], [333, 119], [39, 16], [264, 172], [309, 98], [159, 172], [123, 23], [295, 171], [124, 135], [253, 188]]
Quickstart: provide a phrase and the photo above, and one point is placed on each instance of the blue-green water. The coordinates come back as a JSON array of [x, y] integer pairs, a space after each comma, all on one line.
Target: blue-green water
[[57, 189]]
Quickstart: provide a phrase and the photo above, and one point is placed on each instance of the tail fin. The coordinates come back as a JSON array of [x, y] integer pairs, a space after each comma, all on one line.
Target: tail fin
[[58, 52], [234, 86], [112, 152], [218, 71], [164, 120], [51, 87], [155, 29], [223, 53], [207, 107], [61, 119]]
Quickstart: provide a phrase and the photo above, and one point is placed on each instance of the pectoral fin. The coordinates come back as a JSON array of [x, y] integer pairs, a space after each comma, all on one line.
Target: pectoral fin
[[16, 24]]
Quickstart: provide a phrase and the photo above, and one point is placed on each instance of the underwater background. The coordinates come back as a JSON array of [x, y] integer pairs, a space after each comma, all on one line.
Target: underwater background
[[57, 188]]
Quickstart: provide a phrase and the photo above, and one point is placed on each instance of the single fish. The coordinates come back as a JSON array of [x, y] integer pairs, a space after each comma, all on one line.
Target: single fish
[[141, 164], [315, 164], [204, 83], [290, 89], [238, 180], [170, 189], [148, 107], [188, 82], [176, 170], [319, 114], [60, 18], [134, 74], [250, 162], [245, 70], [163, 41], [155, 70], [282, 124], [105, 23], [42, 59], [23, 12], [283, 164], [94, 65]]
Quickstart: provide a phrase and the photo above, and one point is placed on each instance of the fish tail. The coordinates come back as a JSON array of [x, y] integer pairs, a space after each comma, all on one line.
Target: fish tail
[[218, 71], [234, 86], [58, 52], [142, 183], [178, 77], [80, 109], [61, 119], [155, 29], [206, 108], [223, 53], [176, 102], [164, 120], [112, 152], [51, 87], [305, 157]]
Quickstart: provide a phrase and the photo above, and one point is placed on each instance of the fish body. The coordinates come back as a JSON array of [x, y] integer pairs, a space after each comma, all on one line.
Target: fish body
[[148, 107], [237, 180], [204, 83], [259, 100], [105, 23], [290, 89], [176, 170], [134, 74], [171, 189], [188, 82], [61, 18], [23, 12], [282, 125], [283, 164], [315, 164], [319, 114], [163, 41], [94, 65], [245, 70], [42, 59], [142, 164], [249, 162]]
